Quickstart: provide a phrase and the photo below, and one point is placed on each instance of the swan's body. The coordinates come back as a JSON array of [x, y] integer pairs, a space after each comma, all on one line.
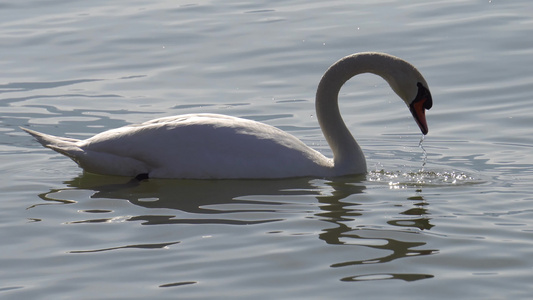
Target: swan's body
[[218, 146], [193, 146]]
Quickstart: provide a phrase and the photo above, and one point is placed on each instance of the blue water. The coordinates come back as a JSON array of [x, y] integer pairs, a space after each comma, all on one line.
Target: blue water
[[457, 223]]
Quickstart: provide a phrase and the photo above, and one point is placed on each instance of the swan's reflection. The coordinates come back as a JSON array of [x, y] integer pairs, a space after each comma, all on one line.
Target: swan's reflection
[[340, 213], [193, 196], [206, 199]]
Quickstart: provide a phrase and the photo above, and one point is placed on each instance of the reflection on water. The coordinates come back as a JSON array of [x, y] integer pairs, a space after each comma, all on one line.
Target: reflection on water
[[140, 246], [404, 277], [340, 213], [230, 200], [30, 86], [193, 196]]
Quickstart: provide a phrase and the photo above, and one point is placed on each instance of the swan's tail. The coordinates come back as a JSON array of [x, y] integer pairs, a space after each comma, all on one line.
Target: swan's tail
[[62, 145]]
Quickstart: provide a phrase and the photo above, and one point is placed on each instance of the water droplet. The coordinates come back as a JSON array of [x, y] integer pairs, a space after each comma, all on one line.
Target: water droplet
[[425, 153]]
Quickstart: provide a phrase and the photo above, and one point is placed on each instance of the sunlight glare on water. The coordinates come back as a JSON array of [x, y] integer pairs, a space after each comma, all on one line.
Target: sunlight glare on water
[[421, 178]]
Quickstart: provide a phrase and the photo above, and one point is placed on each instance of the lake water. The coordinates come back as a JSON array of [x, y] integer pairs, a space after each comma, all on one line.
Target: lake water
[[461, 226]]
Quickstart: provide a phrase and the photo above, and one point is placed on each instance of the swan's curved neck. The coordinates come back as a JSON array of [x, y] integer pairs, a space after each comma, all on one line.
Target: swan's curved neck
[[348, 156]]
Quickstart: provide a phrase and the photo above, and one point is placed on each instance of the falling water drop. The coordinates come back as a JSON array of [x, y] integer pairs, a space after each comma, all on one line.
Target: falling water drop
[[425, 154]]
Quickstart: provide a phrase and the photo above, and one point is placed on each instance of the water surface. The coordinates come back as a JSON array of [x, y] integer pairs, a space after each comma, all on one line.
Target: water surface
[[457, 226]]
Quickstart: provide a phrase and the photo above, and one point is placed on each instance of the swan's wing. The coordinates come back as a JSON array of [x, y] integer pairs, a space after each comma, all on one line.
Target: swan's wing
[[187, 119], [208, 146]]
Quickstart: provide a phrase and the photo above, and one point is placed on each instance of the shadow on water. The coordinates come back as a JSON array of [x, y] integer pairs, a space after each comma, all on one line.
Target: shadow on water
[[203, 200]]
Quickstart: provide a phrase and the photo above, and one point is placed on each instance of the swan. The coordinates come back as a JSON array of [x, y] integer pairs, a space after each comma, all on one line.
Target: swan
[[213, 146]]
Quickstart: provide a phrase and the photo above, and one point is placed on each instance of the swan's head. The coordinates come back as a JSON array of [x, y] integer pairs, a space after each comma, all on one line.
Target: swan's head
[[419, 104], [412, 88], [403, 78]]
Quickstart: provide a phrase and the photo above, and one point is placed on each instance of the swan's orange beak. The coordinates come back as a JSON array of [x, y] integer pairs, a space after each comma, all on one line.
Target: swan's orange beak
[[418, 107]]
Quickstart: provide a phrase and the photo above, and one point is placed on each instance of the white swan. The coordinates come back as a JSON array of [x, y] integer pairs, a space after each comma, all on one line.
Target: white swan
[[218, 146]]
